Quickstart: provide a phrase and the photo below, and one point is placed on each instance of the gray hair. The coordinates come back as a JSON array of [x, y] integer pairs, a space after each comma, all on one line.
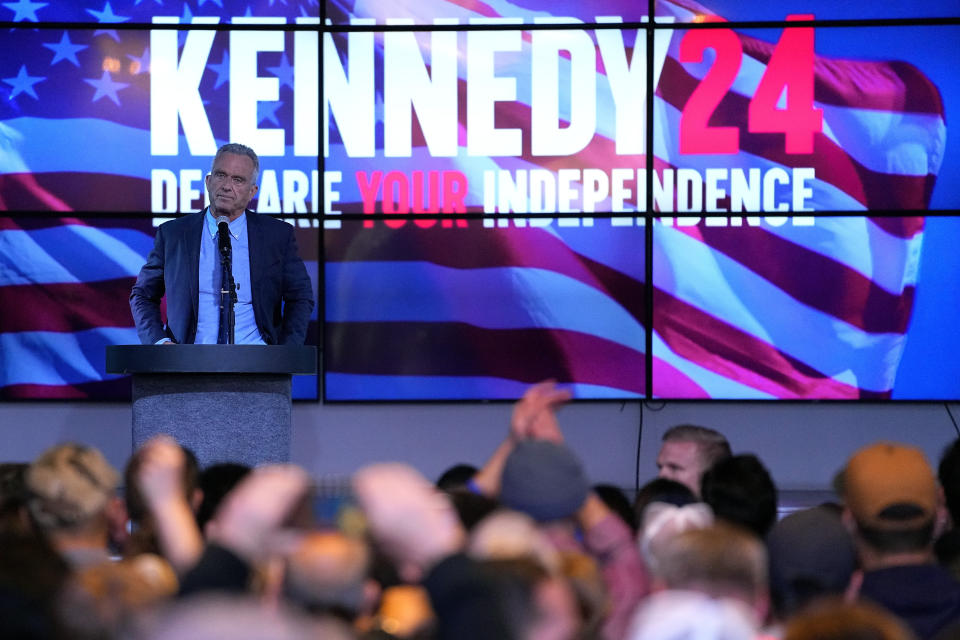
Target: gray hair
[[240, 150], [721, 560]]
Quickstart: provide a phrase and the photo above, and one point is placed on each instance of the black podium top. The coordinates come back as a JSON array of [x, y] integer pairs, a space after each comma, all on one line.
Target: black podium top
[[211, 358]]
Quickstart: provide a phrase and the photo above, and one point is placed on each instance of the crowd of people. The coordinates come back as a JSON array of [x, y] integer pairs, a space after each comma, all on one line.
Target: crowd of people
[[525, 547]]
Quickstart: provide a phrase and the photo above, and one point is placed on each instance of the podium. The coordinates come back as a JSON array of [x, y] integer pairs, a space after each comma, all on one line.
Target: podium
[[227, 403]]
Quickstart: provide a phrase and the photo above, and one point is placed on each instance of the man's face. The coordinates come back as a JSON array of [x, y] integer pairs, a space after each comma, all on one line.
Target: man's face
[[680, 461], [230, 185]]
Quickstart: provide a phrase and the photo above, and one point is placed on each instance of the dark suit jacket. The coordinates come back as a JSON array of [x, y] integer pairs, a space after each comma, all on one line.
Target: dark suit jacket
[[280, 287]]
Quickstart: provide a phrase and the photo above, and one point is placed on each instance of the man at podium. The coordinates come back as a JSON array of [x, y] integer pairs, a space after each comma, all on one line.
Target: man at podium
[[272, 295]]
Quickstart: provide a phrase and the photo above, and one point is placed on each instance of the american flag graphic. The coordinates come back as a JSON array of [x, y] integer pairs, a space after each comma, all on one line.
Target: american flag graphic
[[64, 285], [64, 289], [75, 139], [477, 313], [769, 308]]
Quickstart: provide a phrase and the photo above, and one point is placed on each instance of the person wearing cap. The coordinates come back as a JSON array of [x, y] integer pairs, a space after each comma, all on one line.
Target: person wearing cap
[[534, 472], [73, 501], [811, 556], [891, 507]]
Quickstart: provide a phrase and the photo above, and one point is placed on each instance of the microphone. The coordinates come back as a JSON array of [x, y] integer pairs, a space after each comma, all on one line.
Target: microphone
[[223, 234]]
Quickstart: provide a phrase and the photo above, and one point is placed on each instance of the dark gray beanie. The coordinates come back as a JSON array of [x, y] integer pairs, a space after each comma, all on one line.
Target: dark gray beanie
[[544, 480], [811, 554]]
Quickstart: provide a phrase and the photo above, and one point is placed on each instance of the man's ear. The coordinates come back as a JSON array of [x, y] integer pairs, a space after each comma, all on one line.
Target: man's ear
[[848, 522], [942, 520], [254, 190]]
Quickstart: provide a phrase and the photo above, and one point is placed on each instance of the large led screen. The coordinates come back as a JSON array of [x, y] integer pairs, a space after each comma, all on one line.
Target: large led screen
[[807, 307], [114, 12], [417, 135], [465, 310]]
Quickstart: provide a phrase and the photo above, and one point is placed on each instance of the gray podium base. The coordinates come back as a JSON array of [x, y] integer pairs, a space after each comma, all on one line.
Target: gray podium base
[[221, 417]]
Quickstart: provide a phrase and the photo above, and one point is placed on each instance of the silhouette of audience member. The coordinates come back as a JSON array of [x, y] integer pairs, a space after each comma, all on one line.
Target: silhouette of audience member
[[13, 498], [456, 477], [472, 507], [811, 555], [740, 490], [688, 451], [947, 547], [216, 481], [32, 576], [662, 490], [891, 501], [248, 529], [618, 502], [721, 561]]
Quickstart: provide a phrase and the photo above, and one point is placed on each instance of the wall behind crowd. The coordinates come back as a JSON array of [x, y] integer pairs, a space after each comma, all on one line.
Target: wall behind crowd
[[802, 444]]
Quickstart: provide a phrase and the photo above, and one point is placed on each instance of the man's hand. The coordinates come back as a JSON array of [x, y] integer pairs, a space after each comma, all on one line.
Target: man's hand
[[250, 520], [534, 415], [160, 477], [415, 524]]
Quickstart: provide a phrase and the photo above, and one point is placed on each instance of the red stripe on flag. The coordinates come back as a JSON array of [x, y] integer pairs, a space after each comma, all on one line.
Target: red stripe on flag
[[114, 389], [668, 381], [715, 345], [75, 191], [477, 248], [66, 307], [812, 278], [24, 191], [460, 349]]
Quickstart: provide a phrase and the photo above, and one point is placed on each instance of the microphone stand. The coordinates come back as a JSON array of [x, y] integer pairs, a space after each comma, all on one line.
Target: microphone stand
[[228, 287]]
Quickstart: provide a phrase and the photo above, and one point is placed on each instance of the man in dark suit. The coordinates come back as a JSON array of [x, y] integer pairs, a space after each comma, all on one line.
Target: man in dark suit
[[274, 294]]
